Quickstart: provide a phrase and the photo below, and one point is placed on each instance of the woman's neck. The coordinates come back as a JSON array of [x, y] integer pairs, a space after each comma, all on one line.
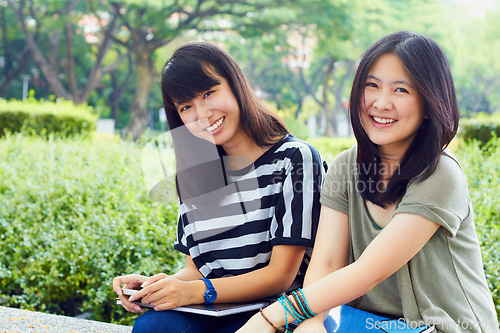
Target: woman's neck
[[390, 159], [389, 166], [244, 152]]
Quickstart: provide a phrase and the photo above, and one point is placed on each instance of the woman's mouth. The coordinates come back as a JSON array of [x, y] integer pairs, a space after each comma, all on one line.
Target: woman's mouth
[[216, 125], [383, 120]]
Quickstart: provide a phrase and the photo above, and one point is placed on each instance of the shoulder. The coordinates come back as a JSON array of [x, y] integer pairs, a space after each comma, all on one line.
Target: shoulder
[[297, 150], [448, 175], [446, 187], [449, 163], [443, 197]]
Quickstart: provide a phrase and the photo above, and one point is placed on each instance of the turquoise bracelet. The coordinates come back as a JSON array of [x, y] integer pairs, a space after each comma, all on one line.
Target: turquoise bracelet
[[298, 299], [305, 303], [293, 312]]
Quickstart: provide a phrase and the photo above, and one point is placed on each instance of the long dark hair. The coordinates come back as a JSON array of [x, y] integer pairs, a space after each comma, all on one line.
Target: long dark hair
[[190, 71], [429, 70], [194, 68]]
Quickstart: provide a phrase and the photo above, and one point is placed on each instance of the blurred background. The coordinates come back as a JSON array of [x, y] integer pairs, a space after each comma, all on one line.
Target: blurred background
[[300, 55], [80, 99]]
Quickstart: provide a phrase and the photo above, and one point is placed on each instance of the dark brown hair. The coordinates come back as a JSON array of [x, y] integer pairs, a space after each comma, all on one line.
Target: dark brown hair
[[429, 70], [189, 71], [195, 68]]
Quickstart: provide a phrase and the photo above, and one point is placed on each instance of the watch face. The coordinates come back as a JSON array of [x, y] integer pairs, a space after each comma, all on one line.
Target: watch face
[[210, 295]]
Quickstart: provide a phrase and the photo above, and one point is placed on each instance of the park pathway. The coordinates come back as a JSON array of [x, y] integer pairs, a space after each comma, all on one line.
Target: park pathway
[[24, 321]]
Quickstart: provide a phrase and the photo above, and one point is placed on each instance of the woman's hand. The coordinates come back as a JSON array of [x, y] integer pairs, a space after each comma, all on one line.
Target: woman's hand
[[256, 323], [132, 281], [166, 292]]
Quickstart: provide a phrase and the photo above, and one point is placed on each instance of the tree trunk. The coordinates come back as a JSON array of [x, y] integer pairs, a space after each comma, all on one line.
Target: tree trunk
[[146, 76], [340, 107], [5, 41], [331, 119], [119, 89], [69, 65], [50, 74]]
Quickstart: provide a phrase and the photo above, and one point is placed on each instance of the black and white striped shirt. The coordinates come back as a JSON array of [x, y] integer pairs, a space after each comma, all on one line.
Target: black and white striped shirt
[[275, 201]]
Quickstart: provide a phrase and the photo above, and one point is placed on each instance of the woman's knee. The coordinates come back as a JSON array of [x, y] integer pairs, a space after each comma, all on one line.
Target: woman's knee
[[146, 323]]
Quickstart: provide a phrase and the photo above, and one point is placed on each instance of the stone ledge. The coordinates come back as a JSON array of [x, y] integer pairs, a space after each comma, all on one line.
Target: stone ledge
[[23, 321]]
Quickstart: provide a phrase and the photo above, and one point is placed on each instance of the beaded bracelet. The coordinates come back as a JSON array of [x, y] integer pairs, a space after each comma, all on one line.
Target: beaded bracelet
[[283, 303], [297, 307], [299, 300], [303, 299], [276, 329], [295, 311]]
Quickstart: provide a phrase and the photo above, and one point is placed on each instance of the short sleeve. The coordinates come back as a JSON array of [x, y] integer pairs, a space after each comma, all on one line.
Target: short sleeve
[[334, 193], [180, 243], [296, 212], [442, 198]]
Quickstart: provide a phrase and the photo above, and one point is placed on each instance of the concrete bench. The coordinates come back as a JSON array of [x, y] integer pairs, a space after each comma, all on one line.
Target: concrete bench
[[24, 321]]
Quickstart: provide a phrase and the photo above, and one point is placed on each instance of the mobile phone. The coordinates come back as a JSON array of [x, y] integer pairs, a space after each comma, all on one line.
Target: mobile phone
[[130, 292]]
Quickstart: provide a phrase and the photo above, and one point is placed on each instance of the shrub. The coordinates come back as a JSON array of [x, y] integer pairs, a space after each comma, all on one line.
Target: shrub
[[331, 147], [75, 214], [58, 118], [297, 127], [481, 164], [482, 128]]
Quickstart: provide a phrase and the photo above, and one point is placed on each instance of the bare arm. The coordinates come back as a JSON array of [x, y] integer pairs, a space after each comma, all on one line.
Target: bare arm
[[271, 280], [400, 240], [166, 292], [189, 273], [329, 255]]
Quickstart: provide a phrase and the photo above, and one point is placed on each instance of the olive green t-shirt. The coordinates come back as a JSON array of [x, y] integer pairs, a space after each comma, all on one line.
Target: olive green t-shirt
[[444, 283]]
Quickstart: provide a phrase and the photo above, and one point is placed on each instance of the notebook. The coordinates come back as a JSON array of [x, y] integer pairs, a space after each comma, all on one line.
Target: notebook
[[215, 310]]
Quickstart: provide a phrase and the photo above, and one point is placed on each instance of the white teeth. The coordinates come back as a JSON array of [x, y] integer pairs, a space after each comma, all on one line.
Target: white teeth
[[383, 120], [214, 126]]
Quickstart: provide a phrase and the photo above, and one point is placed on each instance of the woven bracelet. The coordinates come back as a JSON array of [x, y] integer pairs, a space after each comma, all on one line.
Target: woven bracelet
[[303, 299], [276, 329]]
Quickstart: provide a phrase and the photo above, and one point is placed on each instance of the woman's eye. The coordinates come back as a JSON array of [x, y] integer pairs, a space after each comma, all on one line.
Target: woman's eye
[[208, 93], [403, 90], [184, 108], [371, 84]]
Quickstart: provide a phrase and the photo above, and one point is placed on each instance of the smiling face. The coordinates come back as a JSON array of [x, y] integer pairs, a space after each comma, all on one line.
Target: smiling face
[[213, 115], [393, 108]]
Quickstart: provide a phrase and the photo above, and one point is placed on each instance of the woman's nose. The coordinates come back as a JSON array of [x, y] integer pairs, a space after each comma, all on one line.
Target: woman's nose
[[383, 101], [203, 112]]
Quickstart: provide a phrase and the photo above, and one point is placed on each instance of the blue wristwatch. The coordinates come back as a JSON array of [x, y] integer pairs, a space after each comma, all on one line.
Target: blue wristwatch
[[210, 294]]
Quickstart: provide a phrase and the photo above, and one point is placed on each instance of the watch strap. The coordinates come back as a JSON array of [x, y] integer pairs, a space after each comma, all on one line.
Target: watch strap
[[211, 293]]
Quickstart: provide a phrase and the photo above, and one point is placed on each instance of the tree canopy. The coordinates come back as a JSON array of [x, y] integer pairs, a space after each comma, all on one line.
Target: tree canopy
[[300, 54]]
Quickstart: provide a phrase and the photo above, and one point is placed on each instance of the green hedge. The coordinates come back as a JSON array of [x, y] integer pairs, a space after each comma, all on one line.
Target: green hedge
[[481, 163], [482, 128], [331, 147], [75, 214], [58, 117]]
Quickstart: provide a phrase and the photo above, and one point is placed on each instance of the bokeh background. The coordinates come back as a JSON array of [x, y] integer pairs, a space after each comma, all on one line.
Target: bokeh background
[[80, 99]]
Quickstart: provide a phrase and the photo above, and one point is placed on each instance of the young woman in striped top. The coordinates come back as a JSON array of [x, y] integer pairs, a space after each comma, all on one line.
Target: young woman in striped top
[[248, 213]]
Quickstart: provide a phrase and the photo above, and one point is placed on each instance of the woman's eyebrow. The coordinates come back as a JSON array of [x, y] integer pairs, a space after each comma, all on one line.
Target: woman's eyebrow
[[403, 82], [373, 77]]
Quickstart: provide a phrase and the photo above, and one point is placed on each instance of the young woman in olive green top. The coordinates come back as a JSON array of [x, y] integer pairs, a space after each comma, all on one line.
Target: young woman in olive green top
[[396, 233]]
